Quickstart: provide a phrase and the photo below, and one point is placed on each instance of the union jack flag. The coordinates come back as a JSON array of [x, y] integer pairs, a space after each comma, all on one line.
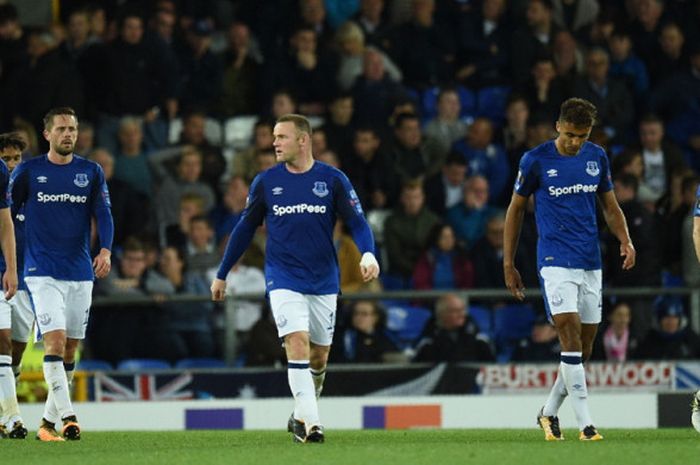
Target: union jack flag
[[145, 387]]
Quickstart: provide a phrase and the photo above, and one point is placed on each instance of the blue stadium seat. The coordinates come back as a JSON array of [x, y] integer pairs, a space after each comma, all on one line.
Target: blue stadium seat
[[200, 363], [94, 365], [491, 103], [467, 102], [483, 317], [511, 324], [138, 364], [405, 323]]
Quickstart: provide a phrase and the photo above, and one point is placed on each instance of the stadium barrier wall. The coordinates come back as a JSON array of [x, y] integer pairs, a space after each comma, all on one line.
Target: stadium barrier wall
[[620, 410]]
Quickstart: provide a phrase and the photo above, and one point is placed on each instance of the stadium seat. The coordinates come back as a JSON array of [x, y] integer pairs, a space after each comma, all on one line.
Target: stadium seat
[[483, 317], [94, 365], [405, 323], [491, 103], [467, 102], [137, 364], [212, 131], [200, 363], [511, 324], [238, 131]]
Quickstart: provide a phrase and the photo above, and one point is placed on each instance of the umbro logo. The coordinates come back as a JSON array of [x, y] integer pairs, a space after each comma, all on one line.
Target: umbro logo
[[552, 173], [42, 179], [277, 190]]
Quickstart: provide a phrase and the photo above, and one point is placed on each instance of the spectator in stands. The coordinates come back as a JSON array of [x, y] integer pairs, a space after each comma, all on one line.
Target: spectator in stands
[[284, 102], [444, 190], [227, 213], [372, 21], [201, 71], [568, 59], [576, 16], [611, 97], [86, 138], [409, 150], [673, 219], [672, 340], [483, 55], [649, 16], [164, 24], [200, 253], [367, 166], [487, 254], [534, 40], [661, 157], [242, 67], [350, 42], [486, 158], [469, 217], [312, 15], [78, 39], [616, 342], [130, 208], [544, 90], [454, 337], [338, 128], [187, 324], [187, 179], [406, 233], [244, 161], [329, 157], [194, 134], [446, 127], [423, 47], [626, 66], [13, 55], [542, 345], [132, 75], [673, 57], [131, 161], [303, 69], [444, 264], [264, 347], [374, 93], [363, 340], [191, 205]]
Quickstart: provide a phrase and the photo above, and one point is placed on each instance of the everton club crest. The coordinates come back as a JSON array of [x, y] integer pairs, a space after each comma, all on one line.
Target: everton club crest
[[592, 168], [81, 180], [320, 189]]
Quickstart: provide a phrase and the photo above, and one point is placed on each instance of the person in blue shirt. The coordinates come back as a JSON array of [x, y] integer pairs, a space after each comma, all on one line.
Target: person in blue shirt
[[16, 314], [60, 193], [299, 200], [565, 176]]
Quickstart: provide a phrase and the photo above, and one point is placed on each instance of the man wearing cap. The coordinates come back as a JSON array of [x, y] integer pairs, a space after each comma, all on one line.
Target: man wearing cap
[[671, 339]]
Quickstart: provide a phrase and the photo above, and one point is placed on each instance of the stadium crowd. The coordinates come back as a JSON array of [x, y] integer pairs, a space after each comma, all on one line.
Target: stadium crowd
[[426, 105]]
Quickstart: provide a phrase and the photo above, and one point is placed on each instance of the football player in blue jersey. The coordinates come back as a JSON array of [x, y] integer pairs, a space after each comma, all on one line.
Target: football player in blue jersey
[[696, 224], [11, 424], [16, 315], [299, 200], [61, 193], [565, 176]]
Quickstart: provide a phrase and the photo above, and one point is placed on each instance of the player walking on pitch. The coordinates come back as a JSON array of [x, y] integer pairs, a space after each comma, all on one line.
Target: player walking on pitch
[[61, 193], [299, 200], [565, 175]]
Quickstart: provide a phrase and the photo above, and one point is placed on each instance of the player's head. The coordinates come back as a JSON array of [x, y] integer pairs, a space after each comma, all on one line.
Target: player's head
[[292, 137], [11, 147], [576, 119], [61, 130]]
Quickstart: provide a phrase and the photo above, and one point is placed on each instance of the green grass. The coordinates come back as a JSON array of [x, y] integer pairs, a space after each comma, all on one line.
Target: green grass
[[434, 447]]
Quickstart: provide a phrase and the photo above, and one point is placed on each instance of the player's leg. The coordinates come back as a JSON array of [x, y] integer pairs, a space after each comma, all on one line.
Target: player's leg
[[10, 421], [51, 412], [291, 312], [318, 363], [22, 323]]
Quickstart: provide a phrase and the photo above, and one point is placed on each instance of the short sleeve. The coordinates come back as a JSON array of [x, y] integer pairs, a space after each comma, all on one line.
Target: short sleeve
[[527, 179]]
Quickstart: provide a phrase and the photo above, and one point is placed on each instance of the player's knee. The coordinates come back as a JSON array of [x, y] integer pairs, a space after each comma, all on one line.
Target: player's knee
[[319, 358], [297, 346], [5, 344]]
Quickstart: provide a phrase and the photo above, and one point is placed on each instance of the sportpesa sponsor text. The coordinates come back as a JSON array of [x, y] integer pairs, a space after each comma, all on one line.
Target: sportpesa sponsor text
[[45, 198], [298, 208], [572, 189]]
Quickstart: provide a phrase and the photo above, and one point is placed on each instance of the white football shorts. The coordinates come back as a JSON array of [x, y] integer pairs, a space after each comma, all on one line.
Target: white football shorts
[[61, 304], [314, 314], [571, 290]]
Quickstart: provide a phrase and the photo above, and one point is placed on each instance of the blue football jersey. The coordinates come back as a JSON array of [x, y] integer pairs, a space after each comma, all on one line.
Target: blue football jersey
[[58, 202], [300, 211], [565, 189], [18, 221], [696, 210]]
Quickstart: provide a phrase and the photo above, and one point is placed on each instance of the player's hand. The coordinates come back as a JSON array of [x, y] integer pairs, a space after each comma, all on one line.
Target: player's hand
[[369, 268], [218, 290], [102, 264], [9, 284], [514, 282], [627, 251]]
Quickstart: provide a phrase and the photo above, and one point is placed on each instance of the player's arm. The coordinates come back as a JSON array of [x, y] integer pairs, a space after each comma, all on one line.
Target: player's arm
[[618, 225], [696, 235], [511, 235], [239, 239], [102, 211], [7, 243], [348, 206], [18, 188]]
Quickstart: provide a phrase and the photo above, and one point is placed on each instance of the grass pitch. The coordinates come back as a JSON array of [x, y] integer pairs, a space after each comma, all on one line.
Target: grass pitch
[[434, 447]]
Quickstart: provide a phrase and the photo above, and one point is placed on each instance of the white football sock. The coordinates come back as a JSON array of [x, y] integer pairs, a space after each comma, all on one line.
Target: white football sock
[[575, 378], [59, 394], [50, 409], [319, 377], [8, 391], [556, 396], [302, 386]]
